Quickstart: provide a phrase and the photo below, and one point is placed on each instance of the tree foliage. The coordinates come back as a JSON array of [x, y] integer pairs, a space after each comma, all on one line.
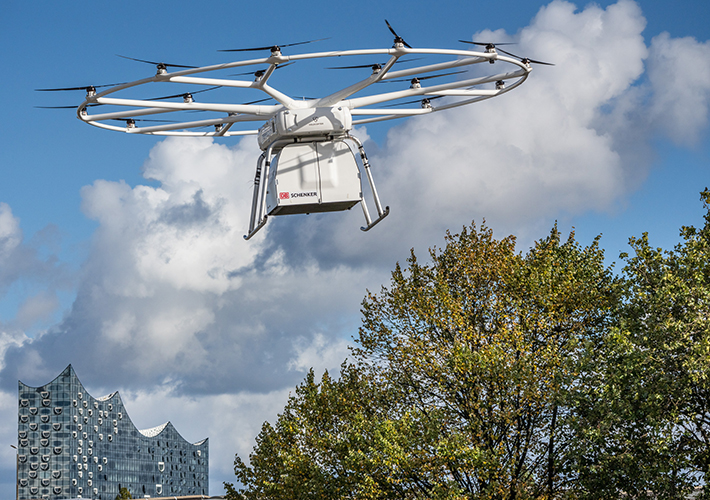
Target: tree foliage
[[333, 440], [460, 386], [123, 494], [486, 373], [486, 342], [668, 317], [646, 416]]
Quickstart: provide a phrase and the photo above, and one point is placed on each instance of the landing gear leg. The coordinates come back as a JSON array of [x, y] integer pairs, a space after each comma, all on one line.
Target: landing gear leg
[[381, 214], [258, 218]]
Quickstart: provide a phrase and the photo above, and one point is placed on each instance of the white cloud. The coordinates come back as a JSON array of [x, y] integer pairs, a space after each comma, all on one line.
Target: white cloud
[[10, 234], [39, 307], [182, 233], [679, 72], [520, 160], [9, 338], [171, 288], [320, 351], [33, 277], [534, 152]]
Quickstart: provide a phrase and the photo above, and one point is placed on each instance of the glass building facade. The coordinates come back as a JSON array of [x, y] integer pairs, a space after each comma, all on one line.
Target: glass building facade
[[72, 445]]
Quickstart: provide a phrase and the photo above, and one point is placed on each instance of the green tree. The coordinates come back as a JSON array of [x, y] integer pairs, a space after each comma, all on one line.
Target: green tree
[[462, 382], [669, 313], [488, 342], [335, 439], [123, 494], [649, 426]]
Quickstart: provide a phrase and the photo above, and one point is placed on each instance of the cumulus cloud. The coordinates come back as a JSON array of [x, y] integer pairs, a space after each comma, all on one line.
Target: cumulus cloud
[[172, 291], [679, 74], [39, 307], [10, 235], [575, 137], [35, 273], [545, 150], [191, 322], [173, 298], [17, 259], [319, 351], [180, 233]]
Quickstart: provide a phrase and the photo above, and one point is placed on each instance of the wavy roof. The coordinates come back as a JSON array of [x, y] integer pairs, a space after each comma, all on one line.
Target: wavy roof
[[115, 398]]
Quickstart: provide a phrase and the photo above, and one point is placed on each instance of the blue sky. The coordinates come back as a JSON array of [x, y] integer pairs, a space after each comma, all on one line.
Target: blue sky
[[611, 140]]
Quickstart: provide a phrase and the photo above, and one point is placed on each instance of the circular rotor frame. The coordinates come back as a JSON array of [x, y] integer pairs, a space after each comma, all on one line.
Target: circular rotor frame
[[363, 109]]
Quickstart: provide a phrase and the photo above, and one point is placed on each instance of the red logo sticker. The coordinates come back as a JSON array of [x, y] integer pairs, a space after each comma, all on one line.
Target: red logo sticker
[[284, 196]]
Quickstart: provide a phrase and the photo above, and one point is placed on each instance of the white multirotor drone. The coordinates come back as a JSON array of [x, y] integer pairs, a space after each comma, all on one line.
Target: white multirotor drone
[[308, 163]]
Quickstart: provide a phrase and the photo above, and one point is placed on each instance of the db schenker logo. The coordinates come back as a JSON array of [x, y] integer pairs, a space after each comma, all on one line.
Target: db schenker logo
[[284, 196]]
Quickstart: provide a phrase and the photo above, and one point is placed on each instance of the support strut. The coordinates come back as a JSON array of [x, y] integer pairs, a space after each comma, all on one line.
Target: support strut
[[381, 214], [258, 218]]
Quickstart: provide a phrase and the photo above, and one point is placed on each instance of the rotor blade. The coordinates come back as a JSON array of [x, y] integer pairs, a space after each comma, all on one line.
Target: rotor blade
[[65, 107], [240, 104], [524, 59], [359, 66], [86, 87], [256, 102], [142, 120], [182, 94], [485, 44], [391, 28], [155, 63], [424, 77], [397, 38], [269, 47], [303, 43], [413, 102], [255, 72]]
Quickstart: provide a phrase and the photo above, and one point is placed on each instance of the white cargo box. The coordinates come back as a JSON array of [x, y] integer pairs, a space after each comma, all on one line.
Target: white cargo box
[[313, 177], [291, 123]]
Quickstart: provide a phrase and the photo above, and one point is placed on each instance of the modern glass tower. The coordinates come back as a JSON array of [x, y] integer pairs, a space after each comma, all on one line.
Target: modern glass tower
[[72, 445]]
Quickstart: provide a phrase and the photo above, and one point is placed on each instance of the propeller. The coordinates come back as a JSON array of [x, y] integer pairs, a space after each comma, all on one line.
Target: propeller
[[260, 73], [416, 79], [160, 65], [424, 102], [397, 39], [65, 107], [487, 45], [273, 48], [87, 88], [184, 95], [376, 65], [241, 104], [526, 60], [134, 120], [490, 46]]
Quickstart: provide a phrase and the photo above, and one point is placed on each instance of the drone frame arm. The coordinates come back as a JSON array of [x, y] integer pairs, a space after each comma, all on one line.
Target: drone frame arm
[[238, 113], [359, 102], [375, 77]]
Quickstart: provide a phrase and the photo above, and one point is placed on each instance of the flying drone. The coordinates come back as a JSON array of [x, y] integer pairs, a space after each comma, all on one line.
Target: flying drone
[[308, 162]]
